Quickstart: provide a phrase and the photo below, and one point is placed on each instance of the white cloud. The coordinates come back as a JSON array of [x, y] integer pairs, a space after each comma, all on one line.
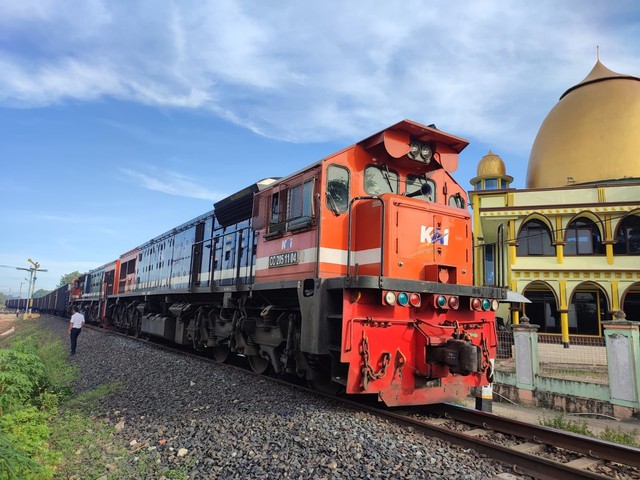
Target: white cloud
[[301, 72], [171, 183]]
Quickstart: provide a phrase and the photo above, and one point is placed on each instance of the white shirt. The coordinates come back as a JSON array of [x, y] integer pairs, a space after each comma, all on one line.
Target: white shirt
[[77, 320]]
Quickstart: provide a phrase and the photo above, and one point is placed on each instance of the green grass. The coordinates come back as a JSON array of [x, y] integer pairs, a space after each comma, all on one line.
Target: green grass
[[623, 438], [567, 425], [610, 435], [46, 432]]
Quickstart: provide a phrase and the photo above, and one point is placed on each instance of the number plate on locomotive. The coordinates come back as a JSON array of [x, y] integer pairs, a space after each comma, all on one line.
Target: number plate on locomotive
[[283, 259]]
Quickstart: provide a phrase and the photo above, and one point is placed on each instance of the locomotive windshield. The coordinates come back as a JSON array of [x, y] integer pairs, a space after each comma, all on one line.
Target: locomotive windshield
[[379, 180], [415, 184]]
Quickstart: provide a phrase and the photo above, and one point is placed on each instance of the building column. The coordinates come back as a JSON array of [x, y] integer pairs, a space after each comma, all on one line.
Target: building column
[[564, 314], [609, 251], [515, 316], [564, 327]]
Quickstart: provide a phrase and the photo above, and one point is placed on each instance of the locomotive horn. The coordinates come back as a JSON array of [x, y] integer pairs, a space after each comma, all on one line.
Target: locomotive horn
[[425, 189]]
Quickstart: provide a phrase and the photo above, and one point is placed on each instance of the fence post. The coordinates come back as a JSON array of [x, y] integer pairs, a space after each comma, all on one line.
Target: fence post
[[623, 360], [525, 339]]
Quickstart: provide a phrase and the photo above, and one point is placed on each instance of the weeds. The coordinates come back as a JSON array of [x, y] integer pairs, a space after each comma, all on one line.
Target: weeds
[[618, 436], [568, 425], [610, 435]]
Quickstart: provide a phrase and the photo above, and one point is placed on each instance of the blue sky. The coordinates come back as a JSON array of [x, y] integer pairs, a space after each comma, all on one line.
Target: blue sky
[[121, 119]]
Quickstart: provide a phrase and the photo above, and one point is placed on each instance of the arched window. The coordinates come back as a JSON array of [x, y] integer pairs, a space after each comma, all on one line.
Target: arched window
[[534, 239], [583, 238], [628, 238]]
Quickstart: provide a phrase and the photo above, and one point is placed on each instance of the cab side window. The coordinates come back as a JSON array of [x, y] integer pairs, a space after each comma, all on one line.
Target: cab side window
[[276, 223], [300, 205], [337, 196], [457, 201]]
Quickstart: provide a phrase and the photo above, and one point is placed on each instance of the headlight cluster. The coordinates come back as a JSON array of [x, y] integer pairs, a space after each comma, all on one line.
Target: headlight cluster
[[483, 304], [420, 151], [402, 299]]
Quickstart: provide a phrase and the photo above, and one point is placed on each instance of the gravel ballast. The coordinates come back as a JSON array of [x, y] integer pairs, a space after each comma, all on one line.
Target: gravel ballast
[[213, 421]]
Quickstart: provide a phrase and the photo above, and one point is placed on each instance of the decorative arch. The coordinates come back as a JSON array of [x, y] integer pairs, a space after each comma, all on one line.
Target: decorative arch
[[630, 302], [589, 305], [594, 217], [584, 234], [535, 216], [544, 307], [535, 237], [626, 241]]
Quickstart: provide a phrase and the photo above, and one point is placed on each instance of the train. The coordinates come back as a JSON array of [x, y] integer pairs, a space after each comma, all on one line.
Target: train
[[354, 274]]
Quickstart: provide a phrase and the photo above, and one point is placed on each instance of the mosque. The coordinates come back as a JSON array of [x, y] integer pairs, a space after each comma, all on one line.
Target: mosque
[[570, 241]]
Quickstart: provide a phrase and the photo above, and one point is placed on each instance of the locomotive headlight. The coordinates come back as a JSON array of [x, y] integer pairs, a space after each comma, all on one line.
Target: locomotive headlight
[[486, 304], [403, 299], [390, 298], [494, 304], [414, 150], [426, 153], [441, 301]]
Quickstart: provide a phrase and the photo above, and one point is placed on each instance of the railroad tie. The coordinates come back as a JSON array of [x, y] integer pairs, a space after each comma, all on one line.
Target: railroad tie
[[476, 432], [584, 463], [529, 447]]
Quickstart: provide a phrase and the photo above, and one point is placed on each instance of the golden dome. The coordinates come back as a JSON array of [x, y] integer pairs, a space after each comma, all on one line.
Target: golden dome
[[592, 134], [491, 165], [491, 173]]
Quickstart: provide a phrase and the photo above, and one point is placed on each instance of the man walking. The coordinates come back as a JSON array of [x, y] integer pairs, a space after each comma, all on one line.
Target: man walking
[[75, 326]]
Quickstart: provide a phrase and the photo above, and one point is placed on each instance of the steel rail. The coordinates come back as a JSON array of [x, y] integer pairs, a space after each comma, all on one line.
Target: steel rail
[[575, 442]]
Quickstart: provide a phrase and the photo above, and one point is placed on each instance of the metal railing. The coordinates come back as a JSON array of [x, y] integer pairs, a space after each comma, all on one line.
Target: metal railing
[[585, 360]]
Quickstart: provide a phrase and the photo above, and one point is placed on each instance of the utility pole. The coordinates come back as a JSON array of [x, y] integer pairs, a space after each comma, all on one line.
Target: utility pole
[[33, 275], [19, 298]]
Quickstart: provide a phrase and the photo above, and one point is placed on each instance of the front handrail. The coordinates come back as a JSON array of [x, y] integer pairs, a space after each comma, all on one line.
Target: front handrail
[[353, 200]]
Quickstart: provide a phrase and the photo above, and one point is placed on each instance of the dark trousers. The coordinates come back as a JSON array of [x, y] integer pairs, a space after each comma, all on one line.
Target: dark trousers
[[74, 339]]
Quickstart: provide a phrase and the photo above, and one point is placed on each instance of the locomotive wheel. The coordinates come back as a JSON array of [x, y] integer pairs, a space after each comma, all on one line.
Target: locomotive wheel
[[259, 364], [221, 353], [137, 325]]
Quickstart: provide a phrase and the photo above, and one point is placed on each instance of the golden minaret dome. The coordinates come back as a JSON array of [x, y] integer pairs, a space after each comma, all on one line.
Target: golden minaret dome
[[591, 135], [491, 165], [492, 173]]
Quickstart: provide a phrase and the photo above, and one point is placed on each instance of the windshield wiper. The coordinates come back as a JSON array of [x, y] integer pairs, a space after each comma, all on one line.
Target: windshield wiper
[[386, 176]]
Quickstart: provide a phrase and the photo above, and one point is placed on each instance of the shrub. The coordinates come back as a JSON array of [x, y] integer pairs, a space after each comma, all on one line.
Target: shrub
[[21, 373], [15, 465]]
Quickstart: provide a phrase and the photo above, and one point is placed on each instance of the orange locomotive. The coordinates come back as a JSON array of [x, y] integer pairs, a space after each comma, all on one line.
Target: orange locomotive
[[381, 246], [354, 273]]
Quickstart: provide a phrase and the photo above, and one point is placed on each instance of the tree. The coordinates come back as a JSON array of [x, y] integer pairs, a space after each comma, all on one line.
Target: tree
[[40, 293], [68, 278]]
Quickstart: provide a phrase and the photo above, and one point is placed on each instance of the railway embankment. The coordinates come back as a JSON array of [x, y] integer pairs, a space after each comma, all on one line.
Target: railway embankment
[[202, 420]]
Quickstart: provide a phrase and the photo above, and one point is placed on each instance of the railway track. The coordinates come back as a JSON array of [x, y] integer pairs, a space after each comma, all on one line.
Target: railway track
[[530, 450]]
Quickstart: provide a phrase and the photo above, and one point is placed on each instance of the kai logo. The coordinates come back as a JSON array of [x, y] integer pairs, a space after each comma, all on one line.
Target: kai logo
[[433, 235]]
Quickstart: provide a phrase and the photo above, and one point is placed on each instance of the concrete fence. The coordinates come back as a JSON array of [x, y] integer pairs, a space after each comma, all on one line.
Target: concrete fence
[[588, 377]]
